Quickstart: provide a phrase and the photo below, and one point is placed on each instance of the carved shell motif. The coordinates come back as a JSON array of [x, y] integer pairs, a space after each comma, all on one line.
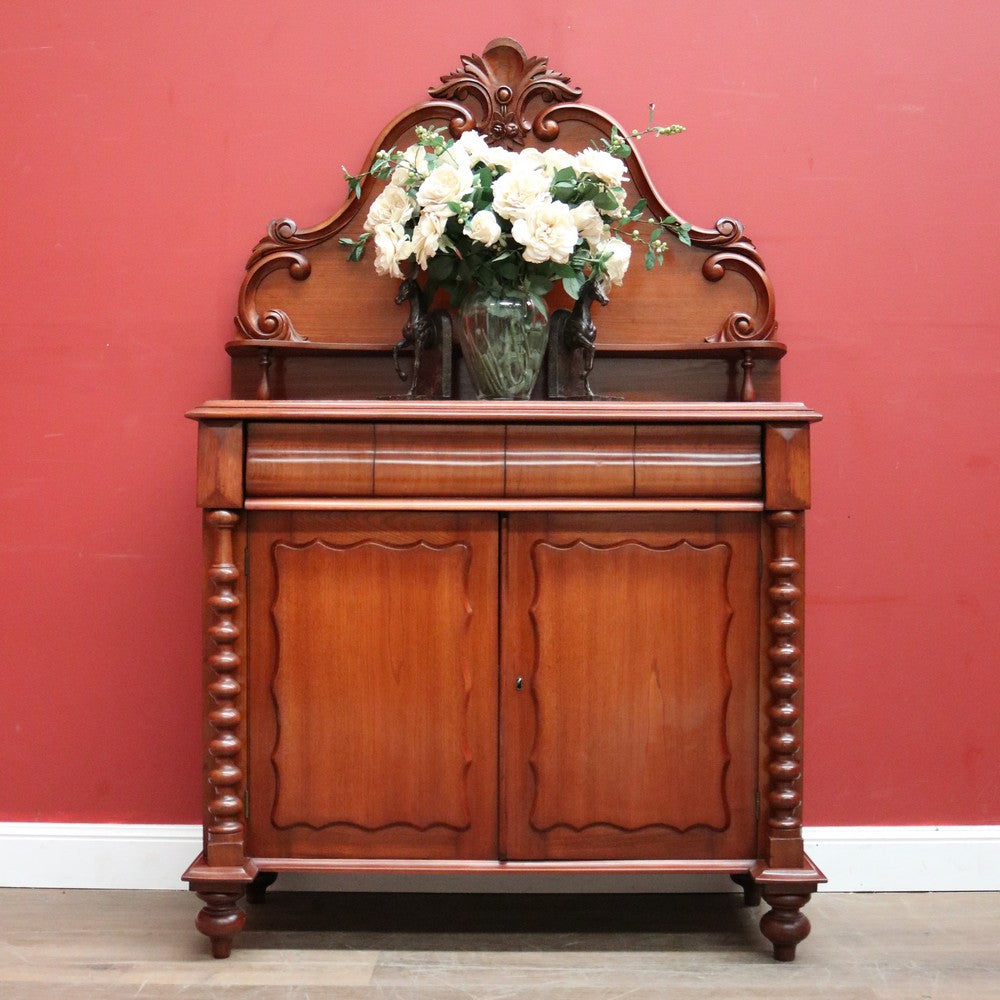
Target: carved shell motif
[[505, 81]]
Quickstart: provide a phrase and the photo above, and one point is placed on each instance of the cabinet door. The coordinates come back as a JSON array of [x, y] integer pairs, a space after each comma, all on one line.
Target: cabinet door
[[629, 686], [373, 688]]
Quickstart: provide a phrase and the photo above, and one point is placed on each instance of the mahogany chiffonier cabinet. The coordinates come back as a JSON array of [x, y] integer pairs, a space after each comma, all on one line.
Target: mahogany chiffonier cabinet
[[559, 635]]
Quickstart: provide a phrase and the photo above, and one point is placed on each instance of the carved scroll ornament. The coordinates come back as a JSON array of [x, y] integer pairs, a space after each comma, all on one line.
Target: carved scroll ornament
[[514, 100], [505, 81]]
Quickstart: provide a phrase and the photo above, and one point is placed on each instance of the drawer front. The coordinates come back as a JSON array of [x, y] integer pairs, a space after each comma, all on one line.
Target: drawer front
[[553, 460], [309, 460], [698, 460], [387, 460], [436, 460], [299, 459]]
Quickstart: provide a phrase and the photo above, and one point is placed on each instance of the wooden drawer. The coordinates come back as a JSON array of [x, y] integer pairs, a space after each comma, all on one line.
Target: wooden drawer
[[437, 460], [309, 460], [300, 459], [698, 460], [556, 460]]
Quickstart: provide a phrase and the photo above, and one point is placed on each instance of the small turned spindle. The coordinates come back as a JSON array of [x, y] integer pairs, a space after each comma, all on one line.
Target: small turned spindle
[[264, 386], [748, 394]]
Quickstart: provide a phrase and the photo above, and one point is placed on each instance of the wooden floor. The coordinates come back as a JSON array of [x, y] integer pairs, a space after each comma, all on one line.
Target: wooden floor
[[302, 946]]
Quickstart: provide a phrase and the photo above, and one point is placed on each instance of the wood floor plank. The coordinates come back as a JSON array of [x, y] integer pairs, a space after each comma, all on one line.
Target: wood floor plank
[[112, 945]]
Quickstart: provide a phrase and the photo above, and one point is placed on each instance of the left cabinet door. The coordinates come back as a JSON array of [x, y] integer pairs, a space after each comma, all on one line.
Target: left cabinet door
[[372, 697]]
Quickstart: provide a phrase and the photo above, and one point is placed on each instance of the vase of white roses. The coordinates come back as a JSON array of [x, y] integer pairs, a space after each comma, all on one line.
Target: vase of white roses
[[497, 229]]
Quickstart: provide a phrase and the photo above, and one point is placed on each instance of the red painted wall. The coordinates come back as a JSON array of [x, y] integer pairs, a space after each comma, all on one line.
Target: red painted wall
[[144, 146]]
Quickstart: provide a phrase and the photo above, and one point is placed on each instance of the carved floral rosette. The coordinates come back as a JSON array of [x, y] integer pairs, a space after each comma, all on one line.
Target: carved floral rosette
[[513, 100]]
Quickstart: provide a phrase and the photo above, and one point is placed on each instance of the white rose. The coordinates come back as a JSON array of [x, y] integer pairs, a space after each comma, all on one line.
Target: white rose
[[529, 159], [483, 228], [588, 220], [427, 236], [621, 254], [555, 159], [602, 165], [446, 182], [519, 191], [458, 157], [391, 247], [412, 168], [547, 233], [391, 206], [603, 235], [473, 144], [499, 158]]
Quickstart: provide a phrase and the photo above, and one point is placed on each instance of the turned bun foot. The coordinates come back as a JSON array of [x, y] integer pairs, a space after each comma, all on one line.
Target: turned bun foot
[[751, 891], [784, 925], [220, 920], [257, 889]]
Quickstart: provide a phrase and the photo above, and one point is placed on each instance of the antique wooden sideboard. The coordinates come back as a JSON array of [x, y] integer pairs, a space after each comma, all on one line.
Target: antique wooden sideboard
[[454, 635]]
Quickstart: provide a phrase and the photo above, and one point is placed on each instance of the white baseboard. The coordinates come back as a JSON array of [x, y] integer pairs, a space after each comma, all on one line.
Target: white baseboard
[[96, 855], [906, 858], [854, 859]]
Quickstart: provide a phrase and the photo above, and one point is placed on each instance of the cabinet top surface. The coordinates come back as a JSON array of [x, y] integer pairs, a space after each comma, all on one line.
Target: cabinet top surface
[[478, 411]]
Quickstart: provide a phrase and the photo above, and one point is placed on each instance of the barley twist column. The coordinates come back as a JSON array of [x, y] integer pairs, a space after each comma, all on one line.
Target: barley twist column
[[784, 925], [225, 778], [784, 764], [220, 918]]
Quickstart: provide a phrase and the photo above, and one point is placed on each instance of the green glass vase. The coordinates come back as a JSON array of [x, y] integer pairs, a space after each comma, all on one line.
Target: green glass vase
[[503, 338]]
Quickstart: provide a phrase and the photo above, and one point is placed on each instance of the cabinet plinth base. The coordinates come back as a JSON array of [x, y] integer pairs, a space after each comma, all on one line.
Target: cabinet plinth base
[[785, 891]]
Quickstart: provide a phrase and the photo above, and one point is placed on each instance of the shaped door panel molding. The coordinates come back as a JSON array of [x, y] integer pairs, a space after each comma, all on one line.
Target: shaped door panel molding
[[375, 701], [634, 639]]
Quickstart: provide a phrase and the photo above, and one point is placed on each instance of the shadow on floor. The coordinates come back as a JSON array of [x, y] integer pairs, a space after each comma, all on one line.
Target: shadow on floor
[[482, 922]]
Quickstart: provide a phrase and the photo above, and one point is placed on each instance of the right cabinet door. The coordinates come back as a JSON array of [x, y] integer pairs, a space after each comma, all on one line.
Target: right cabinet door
[[629, 685]]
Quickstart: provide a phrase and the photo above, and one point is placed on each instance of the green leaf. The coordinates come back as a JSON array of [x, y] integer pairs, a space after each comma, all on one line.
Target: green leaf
[[439, 268], [564, 175], [357, 252], [606, 201], [506, 270], [650, 260], [538, 284], [572, 285]]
